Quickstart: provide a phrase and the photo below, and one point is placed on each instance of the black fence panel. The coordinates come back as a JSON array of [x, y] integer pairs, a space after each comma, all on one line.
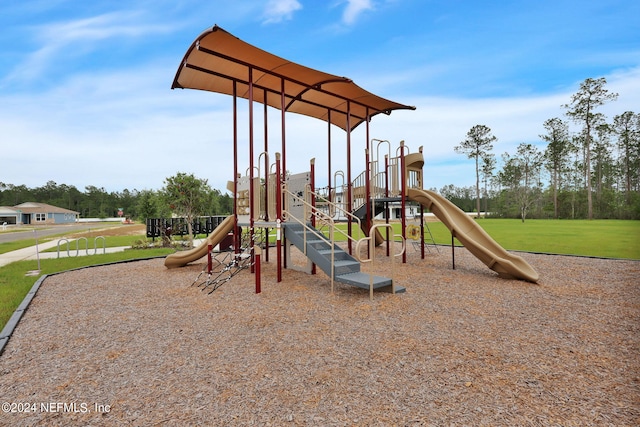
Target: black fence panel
[[156, 227], [197, 227]]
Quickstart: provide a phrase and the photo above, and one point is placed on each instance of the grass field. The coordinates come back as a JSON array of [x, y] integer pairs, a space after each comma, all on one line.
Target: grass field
[[599, 238]]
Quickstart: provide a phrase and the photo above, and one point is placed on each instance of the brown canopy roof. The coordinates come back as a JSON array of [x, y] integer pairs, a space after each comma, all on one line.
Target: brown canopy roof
[[216, 59]]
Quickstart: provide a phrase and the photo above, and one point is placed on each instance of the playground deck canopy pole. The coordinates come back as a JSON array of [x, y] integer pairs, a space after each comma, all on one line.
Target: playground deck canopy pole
[[236, 236], [278, 221], [251, 171], [329, 172]]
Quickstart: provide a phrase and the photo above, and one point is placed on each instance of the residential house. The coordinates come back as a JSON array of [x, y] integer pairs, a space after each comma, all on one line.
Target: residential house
[[36, 213]]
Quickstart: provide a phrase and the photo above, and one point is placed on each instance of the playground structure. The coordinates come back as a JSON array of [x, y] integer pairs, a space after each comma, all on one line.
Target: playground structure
[[268, 198]]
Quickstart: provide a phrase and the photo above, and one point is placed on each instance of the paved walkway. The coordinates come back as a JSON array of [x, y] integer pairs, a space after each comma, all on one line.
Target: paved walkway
[[31, 253]]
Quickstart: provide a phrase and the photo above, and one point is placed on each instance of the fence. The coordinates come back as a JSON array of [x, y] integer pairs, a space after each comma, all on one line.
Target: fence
[[157, 227]]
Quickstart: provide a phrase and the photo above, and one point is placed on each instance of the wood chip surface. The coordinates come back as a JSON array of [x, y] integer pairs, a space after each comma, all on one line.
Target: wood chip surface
[[135, 344]]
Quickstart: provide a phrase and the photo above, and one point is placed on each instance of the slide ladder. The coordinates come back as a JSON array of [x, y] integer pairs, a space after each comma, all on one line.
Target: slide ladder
[[413, 231]]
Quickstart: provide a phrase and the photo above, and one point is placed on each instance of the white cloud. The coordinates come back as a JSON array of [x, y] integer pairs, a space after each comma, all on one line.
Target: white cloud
[[58, 41], [280, 10], [354, 9]]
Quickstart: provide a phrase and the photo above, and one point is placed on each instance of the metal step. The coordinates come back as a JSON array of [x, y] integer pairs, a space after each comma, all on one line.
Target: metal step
[[346, 269], [362, 280]]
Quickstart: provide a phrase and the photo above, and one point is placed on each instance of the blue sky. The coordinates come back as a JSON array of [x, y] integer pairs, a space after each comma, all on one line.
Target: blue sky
[[85, 94]]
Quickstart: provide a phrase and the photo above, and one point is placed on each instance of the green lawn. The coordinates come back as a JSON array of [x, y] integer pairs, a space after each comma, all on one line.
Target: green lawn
[[14, 246], [599, 238], [91, 243]]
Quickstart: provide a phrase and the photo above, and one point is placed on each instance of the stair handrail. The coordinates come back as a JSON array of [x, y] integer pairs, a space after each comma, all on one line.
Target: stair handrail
[[335, 208], [372, 250], [359, 185], [323, 217], [310, 210]]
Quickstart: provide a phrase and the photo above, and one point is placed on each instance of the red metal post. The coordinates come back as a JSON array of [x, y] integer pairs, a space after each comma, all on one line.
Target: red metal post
[[209, 260], [266, 176], [349, 183], [368, 172], [284, 139], [329, 155], [283, 166], [313, 201], [403, 199], [386, 205], [368, 222], [257, 272], [236, 235], [278, 219], [251, 204], [422, 231]]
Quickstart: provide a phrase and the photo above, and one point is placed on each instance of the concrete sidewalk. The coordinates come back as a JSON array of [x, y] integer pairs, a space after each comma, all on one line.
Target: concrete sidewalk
[[31, 253]]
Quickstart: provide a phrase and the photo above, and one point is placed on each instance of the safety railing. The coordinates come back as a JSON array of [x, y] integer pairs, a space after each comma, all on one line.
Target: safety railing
[[322, 219], [372, 257], [309, 212], [335, 210]]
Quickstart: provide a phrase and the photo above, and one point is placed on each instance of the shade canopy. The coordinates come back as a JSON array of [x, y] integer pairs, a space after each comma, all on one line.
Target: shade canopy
[[217, 59]]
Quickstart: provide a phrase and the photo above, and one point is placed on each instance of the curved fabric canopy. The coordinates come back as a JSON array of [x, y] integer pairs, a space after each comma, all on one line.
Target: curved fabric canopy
[[217, 59]]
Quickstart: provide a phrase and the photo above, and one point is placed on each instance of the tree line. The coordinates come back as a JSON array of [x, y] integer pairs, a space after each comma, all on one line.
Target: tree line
[[96, 202], [591, 173]]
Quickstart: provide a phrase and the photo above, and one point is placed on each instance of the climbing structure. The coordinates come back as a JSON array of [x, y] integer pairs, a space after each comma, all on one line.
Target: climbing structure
[[219, 62], [270, 200]]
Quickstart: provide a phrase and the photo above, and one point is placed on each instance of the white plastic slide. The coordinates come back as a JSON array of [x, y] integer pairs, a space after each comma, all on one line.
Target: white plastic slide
[[473, 237], [182, 258]]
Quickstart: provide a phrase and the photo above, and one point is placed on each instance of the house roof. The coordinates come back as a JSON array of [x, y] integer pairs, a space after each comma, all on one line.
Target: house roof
[[219, 62], [33, 207], [8, 209]]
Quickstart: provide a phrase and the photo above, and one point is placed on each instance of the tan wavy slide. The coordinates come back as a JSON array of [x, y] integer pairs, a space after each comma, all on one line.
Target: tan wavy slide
[[473, 237], [182, 258]]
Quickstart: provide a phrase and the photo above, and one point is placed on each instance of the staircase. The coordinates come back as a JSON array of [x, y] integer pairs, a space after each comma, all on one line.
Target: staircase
[[346, 269]]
